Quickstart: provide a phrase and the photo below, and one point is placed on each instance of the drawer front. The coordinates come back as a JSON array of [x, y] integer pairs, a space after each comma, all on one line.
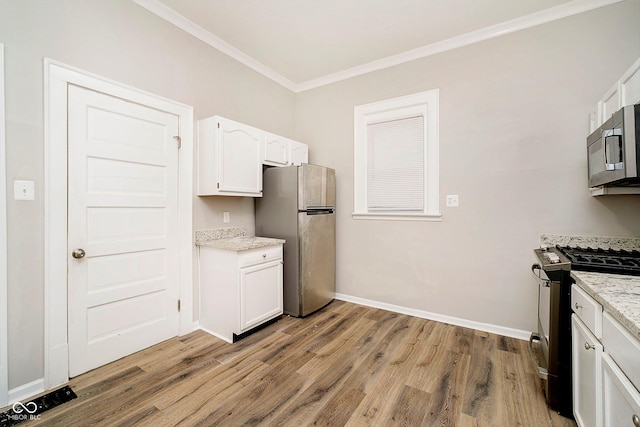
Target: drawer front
[[260, 255], [587, 309], [621, 399], [622, 347]]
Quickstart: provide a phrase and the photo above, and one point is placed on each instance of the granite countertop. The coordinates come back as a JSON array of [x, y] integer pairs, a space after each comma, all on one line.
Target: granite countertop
[[233, 239], [618, 294]]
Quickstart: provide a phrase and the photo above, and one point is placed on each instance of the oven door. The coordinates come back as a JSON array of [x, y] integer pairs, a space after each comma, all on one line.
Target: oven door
[[539, 340]]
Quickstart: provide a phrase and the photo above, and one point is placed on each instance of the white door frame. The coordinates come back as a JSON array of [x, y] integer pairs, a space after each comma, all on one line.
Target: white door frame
[[57, 77], [4, 371]]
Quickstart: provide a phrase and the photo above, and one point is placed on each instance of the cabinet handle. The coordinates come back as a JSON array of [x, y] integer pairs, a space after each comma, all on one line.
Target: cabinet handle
[[264, 255], [578, 306], [588, 346], [636, 420]]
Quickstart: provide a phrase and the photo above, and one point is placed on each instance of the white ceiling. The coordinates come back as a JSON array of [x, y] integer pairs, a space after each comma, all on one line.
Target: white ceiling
[[307, 43]]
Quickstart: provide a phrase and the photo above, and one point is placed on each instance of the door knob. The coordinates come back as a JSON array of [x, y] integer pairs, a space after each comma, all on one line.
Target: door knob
[[78, 253]]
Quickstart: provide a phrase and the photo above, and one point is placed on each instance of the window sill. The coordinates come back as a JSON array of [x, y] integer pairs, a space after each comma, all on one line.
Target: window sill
[[398, 217]]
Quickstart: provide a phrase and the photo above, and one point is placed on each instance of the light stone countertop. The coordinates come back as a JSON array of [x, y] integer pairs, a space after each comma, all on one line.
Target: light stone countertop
[[233, 239], [618, 294]]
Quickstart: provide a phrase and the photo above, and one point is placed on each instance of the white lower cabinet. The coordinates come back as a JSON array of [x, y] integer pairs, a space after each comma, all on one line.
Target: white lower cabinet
[[239, 290], [621, 399], [260, 293], [587, 375], [606, 370]]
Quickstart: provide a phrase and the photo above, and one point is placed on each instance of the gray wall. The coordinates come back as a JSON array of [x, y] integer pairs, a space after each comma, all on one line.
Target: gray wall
[[513, 122], [121, 41]]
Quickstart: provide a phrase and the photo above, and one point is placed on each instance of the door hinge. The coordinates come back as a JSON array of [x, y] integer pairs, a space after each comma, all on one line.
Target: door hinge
[[218, 184], [178, 305], [218, 125], [178, 140]]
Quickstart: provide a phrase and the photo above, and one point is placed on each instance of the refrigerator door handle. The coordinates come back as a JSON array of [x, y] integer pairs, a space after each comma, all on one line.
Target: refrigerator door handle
[[326, 211]]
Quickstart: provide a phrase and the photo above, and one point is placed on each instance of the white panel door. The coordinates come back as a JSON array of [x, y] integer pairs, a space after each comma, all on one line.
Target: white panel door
[[122, 212]]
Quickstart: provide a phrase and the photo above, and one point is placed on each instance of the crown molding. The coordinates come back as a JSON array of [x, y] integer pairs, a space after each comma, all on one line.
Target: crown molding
[[173, 17], [558, 12], [542, 17]]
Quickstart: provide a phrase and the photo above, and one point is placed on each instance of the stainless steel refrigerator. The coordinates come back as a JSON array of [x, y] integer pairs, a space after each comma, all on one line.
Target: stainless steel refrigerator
[[298, 205]]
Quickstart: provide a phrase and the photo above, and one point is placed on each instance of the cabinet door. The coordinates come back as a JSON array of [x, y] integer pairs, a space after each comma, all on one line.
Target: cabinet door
[[240, 158], [276, 150], [587, 375], [611, 102], [621, 399], [630, 85], [299, 153], [260, 294]]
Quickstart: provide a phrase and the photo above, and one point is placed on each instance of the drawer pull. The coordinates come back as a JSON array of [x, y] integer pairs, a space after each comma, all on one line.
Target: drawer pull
[[636, 420], [588, 346], [579, 306], [264, 255]]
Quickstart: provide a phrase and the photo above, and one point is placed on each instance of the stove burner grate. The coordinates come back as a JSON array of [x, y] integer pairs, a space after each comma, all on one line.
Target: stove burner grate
[[603, 260]]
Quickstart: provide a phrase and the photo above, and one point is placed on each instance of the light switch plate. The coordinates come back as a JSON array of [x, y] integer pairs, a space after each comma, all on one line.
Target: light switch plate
[[452, 200], [24, 190]]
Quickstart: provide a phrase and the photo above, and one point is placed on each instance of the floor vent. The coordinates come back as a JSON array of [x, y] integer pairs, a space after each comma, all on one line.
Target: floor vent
[[24, 411]]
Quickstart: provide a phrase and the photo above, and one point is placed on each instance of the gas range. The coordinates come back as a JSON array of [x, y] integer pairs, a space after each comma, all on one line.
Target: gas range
[[589, 259]]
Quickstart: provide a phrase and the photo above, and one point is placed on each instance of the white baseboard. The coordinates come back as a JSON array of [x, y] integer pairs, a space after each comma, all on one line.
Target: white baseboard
[[25, 391], [486, 327]]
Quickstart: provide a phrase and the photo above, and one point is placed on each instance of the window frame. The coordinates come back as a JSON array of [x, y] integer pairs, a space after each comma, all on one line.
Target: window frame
[[425, 104]]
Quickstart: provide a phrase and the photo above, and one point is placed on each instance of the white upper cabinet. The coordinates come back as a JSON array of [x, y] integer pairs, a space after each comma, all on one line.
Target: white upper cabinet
[[611, 102], [281, 151], [299, 153], [229, 158], [626, 91], [630, 85], [276, 150], [231, 155]]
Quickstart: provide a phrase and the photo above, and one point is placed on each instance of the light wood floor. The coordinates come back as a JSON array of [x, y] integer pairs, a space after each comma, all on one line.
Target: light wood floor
[[346, 365]]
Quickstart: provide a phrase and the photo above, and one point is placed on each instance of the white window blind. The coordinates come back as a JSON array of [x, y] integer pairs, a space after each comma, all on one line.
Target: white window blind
[[395, 165], [396, 159]]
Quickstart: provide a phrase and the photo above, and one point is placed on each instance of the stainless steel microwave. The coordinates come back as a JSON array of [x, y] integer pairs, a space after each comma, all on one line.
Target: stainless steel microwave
[[614, 150]]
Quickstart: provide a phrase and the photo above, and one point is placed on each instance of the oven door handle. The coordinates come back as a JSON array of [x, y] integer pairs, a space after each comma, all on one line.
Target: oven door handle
[[542, 372], [536, 267]]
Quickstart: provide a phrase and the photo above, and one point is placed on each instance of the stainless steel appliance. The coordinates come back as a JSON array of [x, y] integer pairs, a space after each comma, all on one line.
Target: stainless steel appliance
[[614, 150], [553, 337], [298, 205]]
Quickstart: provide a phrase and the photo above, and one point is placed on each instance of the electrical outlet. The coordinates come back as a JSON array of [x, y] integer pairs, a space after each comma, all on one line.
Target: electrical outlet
[[23, 190], [452, 200], [225, 217]]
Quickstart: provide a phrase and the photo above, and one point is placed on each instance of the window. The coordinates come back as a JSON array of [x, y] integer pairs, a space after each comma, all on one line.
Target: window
[[396, 159]]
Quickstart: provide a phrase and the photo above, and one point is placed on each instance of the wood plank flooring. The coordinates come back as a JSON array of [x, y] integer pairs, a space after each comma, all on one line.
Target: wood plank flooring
[[346, 365]]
